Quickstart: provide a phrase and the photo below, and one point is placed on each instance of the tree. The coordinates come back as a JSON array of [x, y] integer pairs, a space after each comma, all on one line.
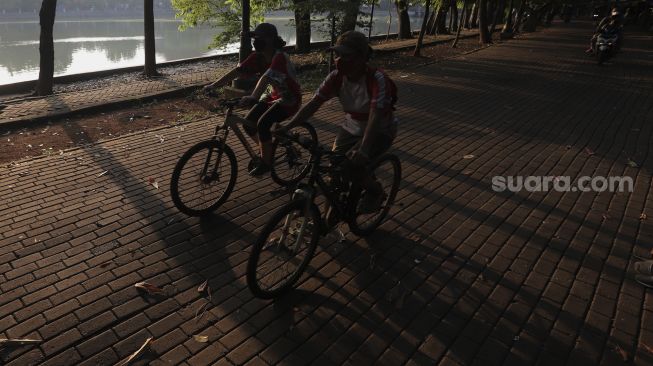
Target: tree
[[150, 43], [520, 15], [302, 11], [484, 34], [420, 38], [404, 31], [46, 48], [507, 26], [463, 15], [224, 15], [245, 41], [351, 10], [498, 15]]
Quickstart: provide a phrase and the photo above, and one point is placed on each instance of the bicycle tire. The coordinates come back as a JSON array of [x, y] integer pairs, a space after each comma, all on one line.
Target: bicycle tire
[[274, 171], [366, 230], [181, 202], [263, 239]]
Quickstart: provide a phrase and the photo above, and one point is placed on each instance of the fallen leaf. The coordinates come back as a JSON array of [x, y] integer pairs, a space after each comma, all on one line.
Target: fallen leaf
[[469, 156], [103, 173], [606, 216], [647, 348], [632, 164], [149, 288], [643, 216], [624, 354], [135, 355], [203, 286], [201, 338], [417, 261], [18, 341], [589, 151], [516, 338]]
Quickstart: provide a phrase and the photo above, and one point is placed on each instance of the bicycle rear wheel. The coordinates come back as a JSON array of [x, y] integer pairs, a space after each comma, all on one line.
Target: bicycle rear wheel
[[203, 178], [387, 171], [290, 161], [283, 249]]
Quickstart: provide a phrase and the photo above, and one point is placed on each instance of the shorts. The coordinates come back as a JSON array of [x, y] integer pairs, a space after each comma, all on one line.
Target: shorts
[[265, 115], [345, 141]]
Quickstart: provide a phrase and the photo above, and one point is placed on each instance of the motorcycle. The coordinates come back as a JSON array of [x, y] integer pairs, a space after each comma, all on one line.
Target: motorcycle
[[606, 45]]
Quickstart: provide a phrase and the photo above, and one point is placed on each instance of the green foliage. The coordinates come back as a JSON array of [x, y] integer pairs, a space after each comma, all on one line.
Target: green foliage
[[224, 15]]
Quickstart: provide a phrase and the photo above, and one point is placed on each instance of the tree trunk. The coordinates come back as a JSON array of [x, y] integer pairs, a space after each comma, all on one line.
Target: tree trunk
[[46, 48], [433, 27], [369, 33], [351, 15], [507, 26], [468, 16], [498, 14], [404, 20], [150, 45], [302, 26], [418, 46], [245, 41], [484, 34], [520, 15], [431, 21], [475, 14], [460, 25], [454, 16], [442, 25]]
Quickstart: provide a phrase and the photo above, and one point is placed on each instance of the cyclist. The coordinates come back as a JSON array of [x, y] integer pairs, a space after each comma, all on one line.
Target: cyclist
[[367, 96], [270, 107]]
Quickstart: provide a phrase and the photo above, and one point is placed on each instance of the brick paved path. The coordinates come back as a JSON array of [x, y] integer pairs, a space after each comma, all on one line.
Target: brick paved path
[[462, 275]]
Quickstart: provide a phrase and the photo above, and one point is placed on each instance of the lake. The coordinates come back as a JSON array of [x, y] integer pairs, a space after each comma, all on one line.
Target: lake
[[93, 45]]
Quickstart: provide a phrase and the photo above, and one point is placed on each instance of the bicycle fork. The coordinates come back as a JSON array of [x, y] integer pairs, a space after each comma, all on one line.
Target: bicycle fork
[[306, 194]]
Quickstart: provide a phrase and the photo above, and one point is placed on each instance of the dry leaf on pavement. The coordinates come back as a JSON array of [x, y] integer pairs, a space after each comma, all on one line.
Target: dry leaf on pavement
[[203, 286], [135, 355], [18, 341], [149, 288], [201, 338]]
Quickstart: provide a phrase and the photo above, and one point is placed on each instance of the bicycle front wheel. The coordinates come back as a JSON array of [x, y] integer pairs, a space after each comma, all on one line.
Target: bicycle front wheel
[[283, 249], [203, 178], [386, 171], [290, 161]]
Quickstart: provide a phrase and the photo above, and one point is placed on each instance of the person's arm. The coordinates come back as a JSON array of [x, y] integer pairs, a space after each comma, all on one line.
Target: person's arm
[[224, 79], [371, 131], [306, 112], [261, 87]]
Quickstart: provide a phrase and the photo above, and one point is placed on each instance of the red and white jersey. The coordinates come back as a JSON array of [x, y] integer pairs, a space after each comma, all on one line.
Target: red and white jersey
[[373, 91], [285, 88]]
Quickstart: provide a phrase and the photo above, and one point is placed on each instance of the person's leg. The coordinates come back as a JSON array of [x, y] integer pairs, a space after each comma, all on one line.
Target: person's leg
[[253, 116], [344, 142], [274, 114]]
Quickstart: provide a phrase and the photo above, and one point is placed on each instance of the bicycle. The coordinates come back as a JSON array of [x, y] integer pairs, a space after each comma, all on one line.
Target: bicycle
[[205, 175], [292, 233]]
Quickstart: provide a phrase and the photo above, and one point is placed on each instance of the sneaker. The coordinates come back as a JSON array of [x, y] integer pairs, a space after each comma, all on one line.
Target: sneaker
[[372, 200], [259, 170]]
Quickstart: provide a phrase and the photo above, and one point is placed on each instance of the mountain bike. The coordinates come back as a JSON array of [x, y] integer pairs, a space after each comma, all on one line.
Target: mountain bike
[[205, 175], [287, 243]]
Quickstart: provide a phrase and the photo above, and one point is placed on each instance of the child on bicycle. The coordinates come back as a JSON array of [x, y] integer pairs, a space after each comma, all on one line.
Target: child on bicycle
[[270, 107], [367, 96]]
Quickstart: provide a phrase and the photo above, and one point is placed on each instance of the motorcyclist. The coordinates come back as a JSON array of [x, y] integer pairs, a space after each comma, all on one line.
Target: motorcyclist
[[613, 22]]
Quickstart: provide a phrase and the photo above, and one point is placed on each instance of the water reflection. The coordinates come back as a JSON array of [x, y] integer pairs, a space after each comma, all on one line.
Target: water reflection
[[83, 46]]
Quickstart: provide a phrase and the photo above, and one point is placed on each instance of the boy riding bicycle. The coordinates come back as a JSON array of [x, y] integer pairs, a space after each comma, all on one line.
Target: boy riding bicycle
[[277, 71], [367, 96]]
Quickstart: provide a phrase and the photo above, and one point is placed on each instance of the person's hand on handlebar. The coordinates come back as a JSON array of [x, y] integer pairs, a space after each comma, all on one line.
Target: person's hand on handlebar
[[247, 100]]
